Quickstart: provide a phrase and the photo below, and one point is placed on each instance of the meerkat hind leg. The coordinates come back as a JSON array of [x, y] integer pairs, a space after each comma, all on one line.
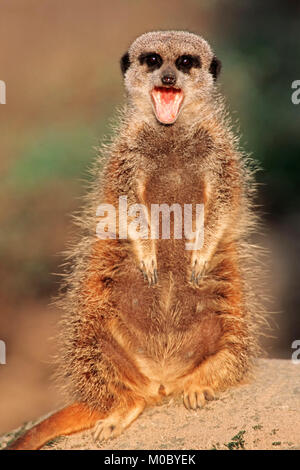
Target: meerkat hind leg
[[215, 374], [114, 424]]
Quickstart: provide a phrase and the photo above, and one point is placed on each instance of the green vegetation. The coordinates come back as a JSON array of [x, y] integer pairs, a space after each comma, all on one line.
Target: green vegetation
[[277, 443], [237, 442], [53, 155], [257, 427]]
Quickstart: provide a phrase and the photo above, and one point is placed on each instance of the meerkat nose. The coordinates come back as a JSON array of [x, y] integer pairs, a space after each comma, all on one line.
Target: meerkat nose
[[168, 80], [168, 77]]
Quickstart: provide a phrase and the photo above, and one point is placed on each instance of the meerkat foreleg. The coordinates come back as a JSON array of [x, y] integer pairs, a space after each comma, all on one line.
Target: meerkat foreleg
[[139, 233], [206, 240], [143, 248]]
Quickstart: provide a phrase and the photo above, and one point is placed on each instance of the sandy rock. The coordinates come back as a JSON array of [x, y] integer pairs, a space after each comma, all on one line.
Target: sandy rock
[[264, 414]]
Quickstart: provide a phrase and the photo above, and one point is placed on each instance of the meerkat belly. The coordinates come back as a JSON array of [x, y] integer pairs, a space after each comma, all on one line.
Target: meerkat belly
[[167, 358], [167, 329]]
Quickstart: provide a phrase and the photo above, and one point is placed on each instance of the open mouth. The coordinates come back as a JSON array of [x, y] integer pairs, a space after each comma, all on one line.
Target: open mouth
[[167, 102]]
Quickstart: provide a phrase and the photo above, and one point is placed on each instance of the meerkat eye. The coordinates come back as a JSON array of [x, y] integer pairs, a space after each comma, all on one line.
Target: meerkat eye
[[186, 62], [153, 60]]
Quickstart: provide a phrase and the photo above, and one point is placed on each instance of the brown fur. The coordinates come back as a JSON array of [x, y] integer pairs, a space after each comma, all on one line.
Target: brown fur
[[125, 344]]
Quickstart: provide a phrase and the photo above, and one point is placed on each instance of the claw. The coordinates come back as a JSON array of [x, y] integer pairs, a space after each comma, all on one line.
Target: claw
[[144, 275], [149, 275], [196, 278], [196, 396]]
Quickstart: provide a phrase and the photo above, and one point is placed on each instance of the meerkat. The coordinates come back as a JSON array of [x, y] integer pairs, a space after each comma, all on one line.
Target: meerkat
[[145, 318]]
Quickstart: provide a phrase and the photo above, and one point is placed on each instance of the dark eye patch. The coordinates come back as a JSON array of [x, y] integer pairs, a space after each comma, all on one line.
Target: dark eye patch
[[215, 67], [151, 59], [185, 62], [125, 63]]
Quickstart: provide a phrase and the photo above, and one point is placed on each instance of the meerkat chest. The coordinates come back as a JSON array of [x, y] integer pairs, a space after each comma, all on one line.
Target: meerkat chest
[[183, 185]]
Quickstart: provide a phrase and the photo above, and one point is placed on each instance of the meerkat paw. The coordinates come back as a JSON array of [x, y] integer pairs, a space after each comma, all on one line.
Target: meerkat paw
[[114, 424], [195, 396], [149, 270], [108, 428], [198, 270]]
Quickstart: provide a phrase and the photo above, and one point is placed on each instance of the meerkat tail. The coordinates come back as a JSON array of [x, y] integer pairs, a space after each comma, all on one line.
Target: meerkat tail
[[74, 418]]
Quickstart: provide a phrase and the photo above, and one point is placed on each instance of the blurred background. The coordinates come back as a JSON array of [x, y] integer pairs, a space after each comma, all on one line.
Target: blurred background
[[60, 62]]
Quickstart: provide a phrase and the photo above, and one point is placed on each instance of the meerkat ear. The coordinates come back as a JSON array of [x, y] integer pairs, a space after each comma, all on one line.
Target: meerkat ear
[[125, 62], [215, 67]]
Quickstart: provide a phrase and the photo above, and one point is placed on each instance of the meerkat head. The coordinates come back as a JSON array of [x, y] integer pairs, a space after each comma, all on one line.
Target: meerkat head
[[169, 73]]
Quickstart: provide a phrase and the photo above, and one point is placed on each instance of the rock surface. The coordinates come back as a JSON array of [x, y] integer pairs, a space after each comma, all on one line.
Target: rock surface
[[264, 414]]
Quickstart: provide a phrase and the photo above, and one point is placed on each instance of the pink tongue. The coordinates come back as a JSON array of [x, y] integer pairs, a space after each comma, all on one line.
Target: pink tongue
[[166, 104]]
